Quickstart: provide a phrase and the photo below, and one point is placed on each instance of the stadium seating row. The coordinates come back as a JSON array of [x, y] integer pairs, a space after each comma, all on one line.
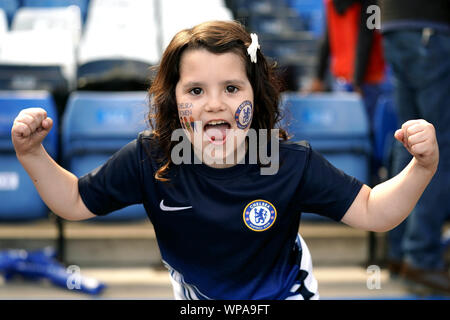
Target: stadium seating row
[[111, 44], [299, 15], [50, 48], [96, 124], [289, 32], [10, 7], [335, 125], [19, 200]]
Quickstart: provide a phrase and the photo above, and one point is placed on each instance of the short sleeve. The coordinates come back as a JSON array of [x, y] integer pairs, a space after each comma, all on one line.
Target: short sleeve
[[326, 190], [115, 184]]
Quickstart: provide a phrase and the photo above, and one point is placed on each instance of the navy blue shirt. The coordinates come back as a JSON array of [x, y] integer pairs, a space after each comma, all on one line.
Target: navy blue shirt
[[224, 233]]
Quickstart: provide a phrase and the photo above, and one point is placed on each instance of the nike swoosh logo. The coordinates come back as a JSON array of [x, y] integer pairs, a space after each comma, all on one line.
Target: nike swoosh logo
[[166, 208]]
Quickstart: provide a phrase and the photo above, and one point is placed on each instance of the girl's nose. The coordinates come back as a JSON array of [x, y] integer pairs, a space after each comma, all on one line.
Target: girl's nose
[[214, 104]]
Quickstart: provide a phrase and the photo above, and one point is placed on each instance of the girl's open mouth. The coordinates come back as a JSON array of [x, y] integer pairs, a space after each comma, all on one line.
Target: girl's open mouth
[[216, 131]]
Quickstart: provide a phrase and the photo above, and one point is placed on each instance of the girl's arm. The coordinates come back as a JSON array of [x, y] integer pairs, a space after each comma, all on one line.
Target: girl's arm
[[56, 186], [386, 205]]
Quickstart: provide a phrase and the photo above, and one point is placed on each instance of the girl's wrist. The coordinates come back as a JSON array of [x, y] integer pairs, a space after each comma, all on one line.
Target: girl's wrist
[[428, 170], [31, 155]]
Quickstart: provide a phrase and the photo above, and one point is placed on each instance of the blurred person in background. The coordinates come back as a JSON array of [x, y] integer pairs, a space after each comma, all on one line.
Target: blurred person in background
[[354, 51], [416, 37]]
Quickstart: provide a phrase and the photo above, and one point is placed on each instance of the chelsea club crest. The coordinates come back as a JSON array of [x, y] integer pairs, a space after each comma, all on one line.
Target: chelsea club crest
[[243, 115], [259, 215]]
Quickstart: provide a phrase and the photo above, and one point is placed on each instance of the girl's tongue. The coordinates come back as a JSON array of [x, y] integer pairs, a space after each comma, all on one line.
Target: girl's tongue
[[217, 133]]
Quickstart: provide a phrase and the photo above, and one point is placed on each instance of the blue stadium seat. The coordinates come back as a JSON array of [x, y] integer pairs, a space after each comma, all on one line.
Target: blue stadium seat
[[97, 124], [10, 7], [83, 4], [385, 123], [335, 125], [312, 12], [292, 48], [19, 198]]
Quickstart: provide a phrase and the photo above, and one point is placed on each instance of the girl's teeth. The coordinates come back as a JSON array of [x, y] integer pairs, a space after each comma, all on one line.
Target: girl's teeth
[[214, 123]]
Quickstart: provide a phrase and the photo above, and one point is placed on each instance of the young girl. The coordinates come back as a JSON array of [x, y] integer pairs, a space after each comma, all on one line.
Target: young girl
[[225, 231]]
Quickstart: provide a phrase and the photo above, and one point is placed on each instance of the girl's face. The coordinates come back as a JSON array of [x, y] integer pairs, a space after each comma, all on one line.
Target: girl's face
[[215, 102]]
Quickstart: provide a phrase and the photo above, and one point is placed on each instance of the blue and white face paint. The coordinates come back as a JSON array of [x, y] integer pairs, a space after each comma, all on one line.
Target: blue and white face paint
[[244, 114]]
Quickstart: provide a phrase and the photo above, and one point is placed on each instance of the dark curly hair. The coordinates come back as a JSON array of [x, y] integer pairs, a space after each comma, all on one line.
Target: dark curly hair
[[216, 37]]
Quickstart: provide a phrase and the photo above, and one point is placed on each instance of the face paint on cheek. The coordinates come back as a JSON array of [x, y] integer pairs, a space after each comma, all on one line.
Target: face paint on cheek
[[244, 114], [192, 123], [185, 114], [186, 123]]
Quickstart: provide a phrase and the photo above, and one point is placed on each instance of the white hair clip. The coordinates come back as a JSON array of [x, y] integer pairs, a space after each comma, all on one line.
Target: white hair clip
[[253, 47]]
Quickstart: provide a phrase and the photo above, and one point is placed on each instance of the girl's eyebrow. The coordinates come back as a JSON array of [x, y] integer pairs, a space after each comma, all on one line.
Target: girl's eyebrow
[[233, 81], [193, 84]]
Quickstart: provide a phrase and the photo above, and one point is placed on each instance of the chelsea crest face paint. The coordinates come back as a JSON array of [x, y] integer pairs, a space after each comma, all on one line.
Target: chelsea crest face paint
[[244, 114]]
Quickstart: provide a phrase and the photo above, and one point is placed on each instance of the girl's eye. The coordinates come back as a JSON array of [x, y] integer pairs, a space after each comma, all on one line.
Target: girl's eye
[[232, 89], [196, 91]]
